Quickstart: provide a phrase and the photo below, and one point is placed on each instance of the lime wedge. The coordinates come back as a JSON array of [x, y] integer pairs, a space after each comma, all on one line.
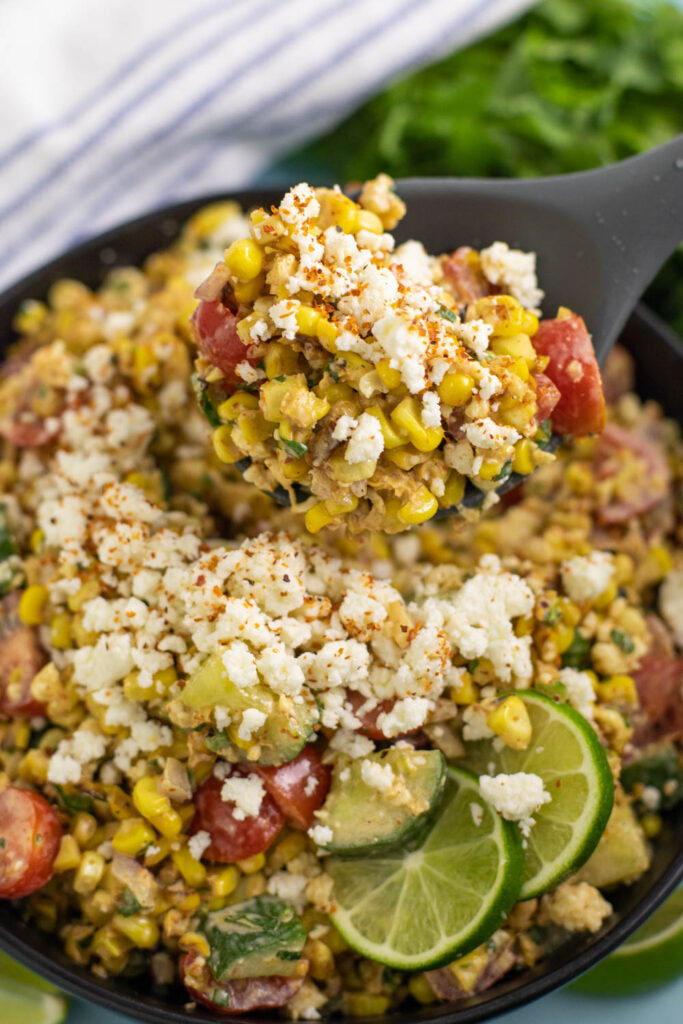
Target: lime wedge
[[566, 753], [425, 907], [651, 957], [24, 996]]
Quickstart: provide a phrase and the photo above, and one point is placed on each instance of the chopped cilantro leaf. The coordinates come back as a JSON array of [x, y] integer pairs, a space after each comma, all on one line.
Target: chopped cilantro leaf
[[73, 801], [294, 448], [623, 641], [447, 314], [553, 615], [577, 654], [128, 903]]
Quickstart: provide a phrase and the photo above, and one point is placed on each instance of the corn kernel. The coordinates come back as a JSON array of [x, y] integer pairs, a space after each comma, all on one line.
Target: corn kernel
[[343, 212], [421, 507], [147, 798], [491, 468], [350, 473], [307, 320], [194, 942], [579, 477], [623, 569], [294, 469], [192, 870], [510, 720], [454, 490], [132, 836], [662, 559], [455, 389], [317, 517], [68, 856], [608, 595], [88, 873], [244, 259], [365, 1004], [207, 220], [407, 416], [36, 541], [234, 406], [83, 827], [340, 508], [247, 292], [223, 881], [31, 604], [618, 689], [255, 428], [392, 437], [142, 931], [250, 865], [523, 460], [369, 221], [320, 958], [651, 825], [223, 445], [280, 360], [421, 990], [161, 849], [516, 346], [465, 692], [326, 333], [562, 636], [388, 375]]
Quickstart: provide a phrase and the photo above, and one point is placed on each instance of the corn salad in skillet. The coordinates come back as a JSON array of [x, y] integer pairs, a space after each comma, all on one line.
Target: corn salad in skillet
[[185, 718], [367, 383]]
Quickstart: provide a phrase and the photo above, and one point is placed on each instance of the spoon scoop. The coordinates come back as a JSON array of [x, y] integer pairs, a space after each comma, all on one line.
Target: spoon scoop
[[600, 236]]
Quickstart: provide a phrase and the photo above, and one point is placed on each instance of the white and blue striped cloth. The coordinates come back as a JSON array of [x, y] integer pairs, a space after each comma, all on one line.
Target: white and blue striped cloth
[[111, 108]]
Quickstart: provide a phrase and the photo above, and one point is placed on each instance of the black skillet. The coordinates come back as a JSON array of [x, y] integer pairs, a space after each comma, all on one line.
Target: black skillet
[[659, 359]]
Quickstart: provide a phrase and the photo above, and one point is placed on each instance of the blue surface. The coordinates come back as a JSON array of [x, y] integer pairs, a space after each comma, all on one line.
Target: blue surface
[[662, 1007]]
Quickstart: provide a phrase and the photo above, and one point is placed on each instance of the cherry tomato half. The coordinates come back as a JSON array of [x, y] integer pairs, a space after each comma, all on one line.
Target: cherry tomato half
[[232, 838], [215, 329], [20, 659], [573, 369], [30, 834], [238, 995], [299, 787]]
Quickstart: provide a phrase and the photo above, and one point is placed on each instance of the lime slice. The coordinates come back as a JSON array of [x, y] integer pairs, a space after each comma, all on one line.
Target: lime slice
[[566, 753], [651, 957], [24, 996], [426, 907]]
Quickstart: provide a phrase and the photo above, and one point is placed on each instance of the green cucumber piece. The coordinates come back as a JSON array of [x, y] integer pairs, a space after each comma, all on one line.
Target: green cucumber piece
[[258, 938], [286, 730], [365, 819]]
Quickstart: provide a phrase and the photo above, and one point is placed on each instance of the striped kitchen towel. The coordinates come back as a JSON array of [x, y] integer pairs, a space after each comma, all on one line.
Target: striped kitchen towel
[[111, 108]]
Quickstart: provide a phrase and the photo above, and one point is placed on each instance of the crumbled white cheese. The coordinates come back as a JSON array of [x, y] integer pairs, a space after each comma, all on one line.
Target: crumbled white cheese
[[240, 664], [475, 725], [366, 442], [378, 776], [477, 812], [321, 835], [479, 619], [289, 886], [580, 692], [651, 798], [487, 434], [82, 748], [252, 720], [431, 410], [586, 577], [343, 428], [405, 716], [198, 843], [246, 792], [514, 271], [516, 797]]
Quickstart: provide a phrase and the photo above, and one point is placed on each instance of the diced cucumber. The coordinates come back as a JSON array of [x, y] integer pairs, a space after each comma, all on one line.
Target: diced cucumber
[[288, 725], [621, 856], [365, 819], [658, 766], [258, 938]]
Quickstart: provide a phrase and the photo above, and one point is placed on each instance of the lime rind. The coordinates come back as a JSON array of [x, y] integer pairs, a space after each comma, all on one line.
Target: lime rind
[[425, 908], [566, 753], [656, 931]]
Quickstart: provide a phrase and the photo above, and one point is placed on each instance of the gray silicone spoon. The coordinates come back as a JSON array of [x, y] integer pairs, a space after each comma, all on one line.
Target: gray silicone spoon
[[600, 236]]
